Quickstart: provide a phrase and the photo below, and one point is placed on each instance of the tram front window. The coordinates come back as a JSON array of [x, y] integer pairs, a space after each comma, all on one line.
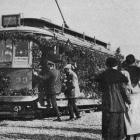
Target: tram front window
[[5, 51], [21, 48]]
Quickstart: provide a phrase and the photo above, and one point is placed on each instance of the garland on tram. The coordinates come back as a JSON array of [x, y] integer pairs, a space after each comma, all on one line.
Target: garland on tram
[[86, 61]]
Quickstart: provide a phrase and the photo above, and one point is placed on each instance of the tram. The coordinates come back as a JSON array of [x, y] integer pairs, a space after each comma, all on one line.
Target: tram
[[24, 43]]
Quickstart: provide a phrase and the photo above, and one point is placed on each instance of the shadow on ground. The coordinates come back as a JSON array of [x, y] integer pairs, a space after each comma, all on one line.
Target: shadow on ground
[[40, 137], [84, 130]]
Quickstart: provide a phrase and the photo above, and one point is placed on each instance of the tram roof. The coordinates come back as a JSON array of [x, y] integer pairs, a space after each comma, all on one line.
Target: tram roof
[[77, 41], [41, 29], [28, 29], [36, 22], [67, 33]]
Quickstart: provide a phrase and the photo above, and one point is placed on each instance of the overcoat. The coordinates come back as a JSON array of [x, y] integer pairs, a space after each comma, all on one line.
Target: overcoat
[[114, 96], [112, 84], [72, 84]]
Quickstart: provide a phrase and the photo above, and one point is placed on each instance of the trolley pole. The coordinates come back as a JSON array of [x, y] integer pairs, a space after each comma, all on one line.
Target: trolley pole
[[65, 24]]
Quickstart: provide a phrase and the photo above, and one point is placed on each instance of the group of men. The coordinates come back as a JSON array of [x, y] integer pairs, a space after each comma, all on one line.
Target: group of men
[[52, 87]]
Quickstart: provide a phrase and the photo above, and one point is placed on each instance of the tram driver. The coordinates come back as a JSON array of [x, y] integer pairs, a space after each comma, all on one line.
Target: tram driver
[[52, 86]]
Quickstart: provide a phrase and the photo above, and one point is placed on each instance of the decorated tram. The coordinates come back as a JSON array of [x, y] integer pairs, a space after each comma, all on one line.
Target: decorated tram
[[25, 43]]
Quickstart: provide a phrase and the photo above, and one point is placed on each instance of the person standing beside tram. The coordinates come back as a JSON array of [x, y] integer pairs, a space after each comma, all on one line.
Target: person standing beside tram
[[52, 86], [72, 89], [112, 84]]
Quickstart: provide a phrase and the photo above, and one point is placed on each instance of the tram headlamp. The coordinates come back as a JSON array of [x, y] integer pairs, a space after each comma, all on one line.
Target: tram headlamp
[[17, 108]]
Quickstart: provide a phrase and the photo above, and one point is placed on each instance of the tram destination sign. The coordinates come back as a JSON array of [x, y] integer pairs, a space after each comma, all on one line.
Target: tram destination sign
[[11, 20]]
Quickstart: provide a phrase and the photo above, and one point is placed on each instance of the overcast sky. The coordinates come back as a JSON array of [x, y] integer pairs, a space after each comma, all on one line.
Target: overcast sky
[[114, 21]]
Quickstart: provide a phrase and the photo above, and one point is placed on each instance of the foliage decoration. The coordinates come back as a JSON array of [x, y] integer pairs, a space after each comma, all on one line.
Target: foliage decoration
[[88, 61]]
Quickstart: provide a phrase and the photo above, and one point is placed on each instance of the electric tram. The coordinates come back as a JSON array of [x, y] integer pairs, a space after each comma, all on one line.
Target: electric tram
[[24, 42]]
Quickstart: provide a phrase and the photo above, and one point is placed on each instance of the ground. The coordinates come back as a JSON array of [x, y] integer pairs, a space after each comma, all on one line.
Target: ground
[[86, 128]]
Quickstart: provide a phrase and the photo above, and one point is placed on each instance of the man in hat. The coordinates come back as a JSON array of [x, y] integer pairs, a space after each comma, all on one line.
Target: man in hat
[[72, 88], [111, 83], [52, 86]]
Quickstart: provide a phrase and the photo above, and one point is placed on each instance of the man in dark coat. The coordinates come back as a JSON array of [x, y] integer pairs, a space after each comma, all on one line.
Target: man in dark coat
[[52, 86], [114, 96]]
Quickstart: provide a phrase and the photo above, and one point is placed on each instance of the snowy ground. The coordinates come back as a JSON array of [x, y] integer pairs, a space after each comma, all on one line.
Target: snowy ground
[[86, 128]]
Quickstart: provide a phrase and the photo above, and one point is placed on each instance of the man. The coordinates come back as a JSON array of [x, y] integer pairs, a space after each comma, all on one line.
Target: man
[[112, 84], [72, 88], [52, 87]]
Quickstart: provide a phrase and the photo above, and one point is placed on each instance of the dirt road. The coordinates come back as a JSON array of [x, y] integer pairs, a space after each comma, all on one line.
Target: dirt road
[[86, 128]]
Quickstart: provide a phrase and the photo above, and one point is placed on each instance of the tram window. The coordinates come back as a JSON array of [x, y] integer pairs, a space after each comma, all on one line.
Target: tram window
[[6, 51], [21, 48]]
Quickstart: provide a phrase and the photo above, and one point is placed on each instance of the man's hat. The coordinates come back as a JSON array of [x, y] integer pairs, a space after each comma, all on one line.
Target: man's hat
[[50, 62], [130, 59], [68, 66], [111, 62]]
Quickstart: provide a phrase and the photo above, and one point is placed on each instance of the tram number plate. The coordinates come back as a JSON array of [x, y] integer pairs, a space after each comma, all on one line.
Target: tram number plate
[[11, 20]]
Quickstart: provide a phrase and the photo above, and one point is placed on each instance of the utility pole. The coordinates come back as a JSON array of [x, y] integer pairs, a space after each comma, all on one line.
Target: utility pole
[[65, 24]]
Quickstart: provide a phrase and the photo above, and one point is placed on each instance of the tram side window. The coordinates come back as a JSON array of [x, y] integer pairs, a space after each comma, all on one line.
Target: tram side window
[[6, 51], [21, 48]]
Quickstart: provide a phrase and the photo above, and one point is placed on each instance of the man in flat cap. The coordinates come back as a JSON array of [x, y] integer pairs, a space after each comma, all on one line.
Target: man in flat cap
[[72, 88], [112, 83]]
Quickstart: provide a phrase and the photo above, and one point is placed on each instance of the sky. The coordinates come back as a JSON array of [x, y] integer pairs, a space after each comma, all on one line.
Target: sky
[[113, 21]]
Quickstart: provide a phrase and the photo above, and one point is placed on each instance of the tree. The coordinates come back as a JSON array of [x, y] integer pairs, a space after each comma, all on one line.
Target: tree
[[118, 54], [118, 51]]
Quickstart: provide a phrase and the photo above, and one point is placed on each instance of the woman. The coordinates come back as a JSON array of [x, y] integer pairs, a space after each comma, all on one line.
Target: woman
[[132, 119]]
